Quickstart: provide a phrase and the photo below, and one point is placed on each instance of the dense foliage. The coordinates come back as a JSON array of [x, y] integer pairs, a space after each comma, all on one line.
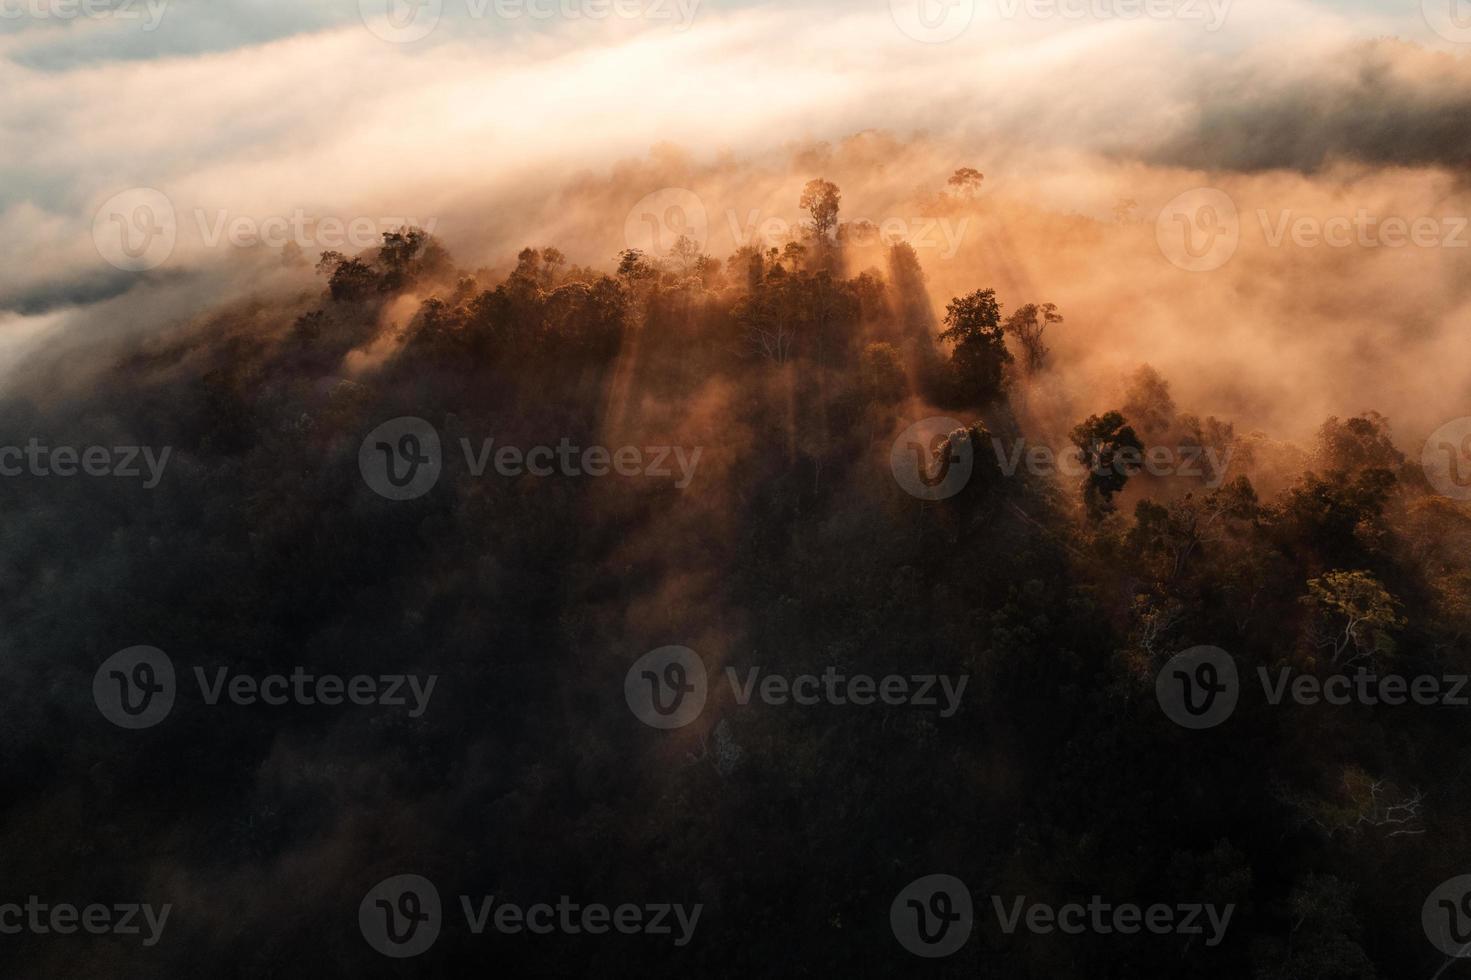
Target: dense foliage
[[794, 549]]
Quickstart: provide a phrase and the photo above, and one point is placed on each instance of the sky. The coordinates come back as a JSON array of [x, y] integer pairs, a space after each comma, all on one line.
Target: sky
[[514, 122]]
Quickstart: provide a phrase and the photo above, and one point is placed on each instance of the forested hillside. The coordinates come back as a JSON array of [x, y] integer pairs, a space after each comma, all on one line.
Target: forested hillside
[[794, 542]]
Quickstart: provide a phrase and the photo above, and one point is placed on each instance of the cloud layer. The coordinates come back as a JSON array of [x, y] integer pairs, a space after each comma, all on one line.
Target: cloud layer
[[500, 133]]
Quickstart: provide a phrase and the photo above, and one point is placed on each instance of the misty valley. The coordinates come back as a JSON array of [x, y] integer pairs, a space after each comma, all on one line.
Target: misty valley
[[820, 490]]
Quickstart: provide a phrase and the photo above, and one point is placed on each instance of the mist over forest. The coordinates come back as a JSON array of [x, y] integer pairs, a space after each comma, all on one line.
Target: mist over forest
[[787, 493]]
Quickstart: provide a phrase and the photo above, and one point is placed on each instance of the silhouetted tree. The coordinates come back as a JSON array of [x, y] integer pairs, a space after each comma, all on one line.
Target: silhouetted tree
[[1027, 324], [821, 199], [1148, 404], [973, 325], [966, 181], [1111, 451], [1353, 614]]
